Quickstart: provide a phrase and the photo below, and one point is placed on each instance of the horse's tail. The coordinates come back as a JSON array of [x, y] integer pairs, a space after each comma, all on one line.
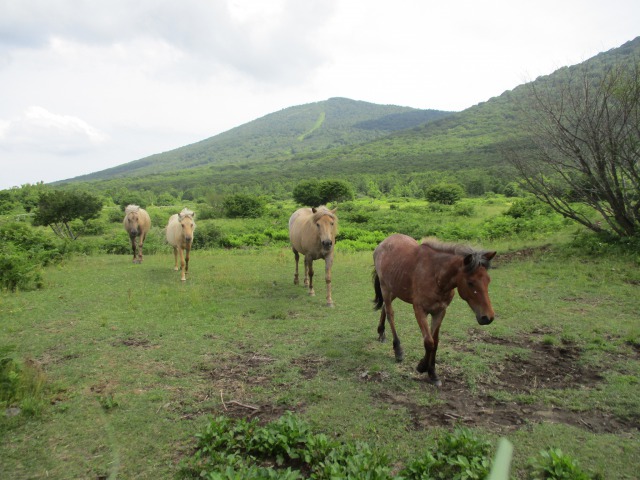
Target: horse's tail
[[378, 301]]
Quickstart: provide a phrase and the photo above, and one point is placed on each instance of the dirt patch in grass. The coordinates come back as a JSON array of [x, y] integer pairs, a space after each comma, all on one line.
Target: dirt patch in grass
[[231, 378], [523, 254], [542, 367]]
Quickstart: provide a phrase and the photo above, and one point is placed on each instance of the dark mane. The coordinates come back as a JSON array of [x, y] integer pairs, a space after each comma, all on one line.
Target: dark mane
[[477, 259]]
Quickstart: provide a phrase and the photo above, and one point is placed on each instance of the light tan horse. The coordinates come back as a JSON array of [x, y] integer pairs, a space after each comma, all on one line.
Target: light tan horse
[[180, 235], [312, 232], [137, 224]]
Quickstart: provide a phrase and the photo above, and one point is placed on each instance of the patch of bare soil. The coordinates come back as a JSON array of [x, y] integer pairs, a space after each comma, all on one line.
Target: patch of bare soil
[[233, 374], [522, 254], [134, 342], [547, 367]]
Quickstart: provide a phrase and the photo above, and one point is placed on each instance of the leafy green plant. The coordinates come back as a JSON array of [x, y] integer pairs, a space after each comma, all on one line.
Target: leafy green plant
[[459, 455], [22, 384], [553, 464]]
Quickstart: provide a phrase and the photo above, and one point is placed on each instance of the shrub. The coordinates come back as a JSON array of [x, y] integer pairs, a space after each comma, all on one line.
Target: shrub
[[207, 236], [444, 193], [243, 206]]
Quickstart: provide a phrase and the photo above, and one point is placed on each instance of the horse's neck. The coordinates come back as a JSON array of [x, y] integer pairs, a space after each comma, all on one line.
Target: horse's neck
[[445, 268]]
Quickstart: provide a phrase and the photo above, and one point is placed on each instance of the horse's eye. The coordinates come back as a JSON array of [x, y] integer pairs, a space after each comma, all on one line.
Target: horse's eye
[[470, 285]]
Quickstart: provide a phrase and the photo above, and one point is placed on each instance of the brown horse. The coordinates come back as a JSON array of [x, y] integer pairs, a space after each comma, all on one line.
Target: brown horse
[[180, 235], [426, 275], [137, 224], [312, 232]]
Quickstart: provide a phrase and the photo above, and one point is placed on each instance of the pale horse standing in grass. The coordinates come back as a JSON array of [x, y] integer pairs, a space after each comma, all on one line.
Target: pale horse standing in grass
[[312, 232], [180, 236], [137, 224]]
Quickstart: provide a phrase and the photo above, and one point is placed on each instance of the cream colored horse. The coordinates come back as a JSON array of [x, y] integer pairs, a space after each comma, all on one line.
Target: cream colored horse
[[180, 235], [312, 232], [137, 224]]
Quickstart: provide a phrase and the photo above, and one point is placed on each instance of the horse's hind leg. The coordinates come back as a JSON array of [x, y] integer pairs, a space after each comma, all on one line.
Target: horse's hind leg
[[397, 347], [296, 255], [383, 317]]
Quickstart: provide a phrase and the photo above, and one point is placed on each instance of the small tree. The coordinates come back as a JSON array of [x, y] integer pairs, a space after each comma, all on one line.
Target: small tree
[[243, 206], [308, 193], [313, 193], [585, 126], [444, 193], [57, 208]]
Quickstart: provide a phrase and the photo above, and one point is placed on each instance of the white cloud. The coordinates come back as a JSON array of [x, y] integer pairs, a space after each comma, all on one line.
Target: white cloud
[[39, 130]]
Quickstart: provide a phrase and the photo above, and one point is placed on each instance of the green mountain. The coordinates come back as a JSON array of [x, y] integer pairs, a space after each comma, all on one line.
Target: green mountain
[[281, 135], [342, 138]]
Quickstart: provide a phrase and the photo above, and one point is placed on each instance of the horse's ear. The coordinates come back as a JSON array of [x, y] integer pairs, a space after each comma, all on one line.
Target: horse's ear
[[314, 209], [334, 210], [489, 255], [468, 259], [180, 217]]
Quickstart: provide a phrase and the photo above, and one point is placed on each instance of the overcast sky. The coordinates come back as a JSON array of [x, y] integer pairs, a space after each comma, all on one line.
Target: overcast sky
[[90, 84]]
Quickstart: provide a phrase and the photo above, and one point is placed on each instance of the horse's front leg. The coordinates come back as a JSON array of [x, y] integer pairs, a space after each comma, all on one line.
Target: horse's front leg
[[328, 263], [141, 244], [133, 248], [186, 260], [175, 258], [183, 277], [308, 274], [427, 364], [296, 255]]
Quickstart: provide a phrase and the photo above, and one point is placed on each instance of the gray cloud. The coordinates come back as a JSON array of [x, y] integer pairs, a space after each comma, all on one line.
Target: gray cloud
[[205, 31]]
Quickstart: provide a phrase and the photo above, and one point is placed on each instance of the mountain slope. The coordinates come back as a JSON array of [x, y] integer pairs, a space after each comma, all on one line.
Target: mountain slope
[[345, 138], [295, 130]]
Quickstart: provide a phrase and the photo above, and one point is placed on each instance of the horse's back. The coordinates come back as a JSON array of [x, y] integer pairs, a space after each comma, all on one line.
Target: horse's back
[[298, 228], [172, 230], [395, 259]]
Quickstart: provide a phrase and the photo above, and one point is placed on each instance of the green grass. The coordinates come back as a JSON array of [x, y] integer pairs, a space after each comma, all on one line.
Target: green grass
[[137, 361]]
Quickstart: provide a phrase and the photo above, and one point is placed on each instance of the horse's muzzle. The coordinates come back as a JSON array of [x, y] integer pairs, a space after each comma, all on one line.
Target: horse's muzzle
[[484, 320], [327, 244]]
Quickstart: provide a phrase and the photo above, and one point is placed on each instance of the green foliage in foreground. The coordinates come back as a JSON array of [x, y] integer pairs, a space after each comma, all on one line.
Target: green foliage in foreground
[[23, 253], [22, 385], [289, 449]]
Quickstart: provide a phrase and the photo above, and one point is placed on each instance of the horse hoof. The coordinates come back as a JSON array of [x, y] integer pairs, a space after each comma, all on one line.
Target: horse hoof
[[382, 338], [436, 383], [400, 357], [331, 305], [422, 366]]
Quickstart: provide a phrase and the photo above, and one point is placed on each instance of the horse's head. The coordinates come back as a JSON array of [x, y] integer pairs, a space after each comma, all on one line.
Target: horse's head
[[186, 218], [327, 224], [473, 285], [131, 223]]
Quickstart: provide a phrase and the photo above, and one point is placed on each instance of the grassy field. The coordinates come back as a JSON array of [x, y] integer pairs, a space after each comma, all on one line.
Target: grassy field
[[136, 362]]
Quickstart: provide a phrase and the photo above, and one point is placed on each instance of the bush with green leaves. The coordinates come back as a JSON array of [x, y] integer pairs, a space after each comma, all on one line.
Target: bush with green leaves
[[58, 208], [314, 193], [23, 252], [243, 206], [444, 193]]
